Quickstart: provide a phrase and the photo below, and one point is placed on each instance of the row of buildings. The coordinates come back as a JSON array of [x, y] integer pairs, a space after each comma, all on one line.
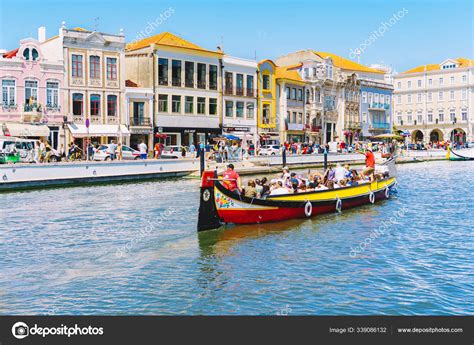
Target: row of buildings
[[87, 84]]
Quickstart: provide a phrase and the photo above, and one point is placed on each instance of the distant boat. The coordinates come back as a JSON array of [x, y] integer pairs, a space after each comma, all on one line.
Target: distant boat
[[219, 206]]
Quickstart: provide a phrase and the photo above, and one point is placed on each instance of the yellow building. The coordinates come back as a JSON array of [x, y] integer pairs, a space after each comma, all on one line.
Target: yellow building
[[266, 99]]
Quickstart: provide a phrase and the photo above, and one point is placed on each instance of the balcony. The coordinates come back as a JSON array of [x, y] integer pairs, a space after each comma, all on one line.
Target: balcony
[[140, 121], [379, 106], [228, 91], [352, 125], [9, 106], [295, 126], [379, 126], [316, 128], [96, 119], [201, 84], [189, 83], [78, 119], [176, 81], [239, 92], [163, 81]]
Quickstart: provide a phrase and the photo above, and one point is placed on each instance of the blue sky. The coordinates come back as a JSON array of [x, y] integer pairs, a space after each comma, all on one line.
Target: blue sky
[[427, 32]]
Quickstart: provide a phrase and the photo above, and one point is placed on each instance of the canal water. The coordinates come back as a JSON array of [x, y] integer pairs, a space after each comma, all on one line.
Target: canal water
[[133, 249]]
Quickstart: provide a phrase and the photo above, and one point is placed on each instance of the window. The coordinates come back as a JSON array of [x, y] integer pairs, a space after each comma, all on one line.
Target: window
[[364, 97], [370, 95], [314, 71], [441, 115], [419, 82], [430, 116], [26, 53], [175, 104], [250, 110], [229, 109], [163, 103], [409, 84], [266, 82], [464, 115], [430, 82], [419, 98], [189, 74], [77, 104], [399, 99], [464, 78], [408, 98], [452, 116], [288, 93], [189, 105], [300, 118], [266, 114], [300, 94], [212, 106], [213, 77], [399, 85], [400, 119], [293, 94], [138, 113], [440, 95], [239, 109], [419, 118], [451, 80], [111, 68], [441, 81], [52, 94], [162, 71], [176, 73], [94, 67], [293, 118], [95, 105], [8, 92], [229, 83], [250, 85], [201, 105], [201, 75], [76, 66], [382, 99], [430, 96], [111, 105], [31, 91], [387, 99], [464, 94], [306, 72], [329, 71], [409, 118], [451, 95], [239, 86]]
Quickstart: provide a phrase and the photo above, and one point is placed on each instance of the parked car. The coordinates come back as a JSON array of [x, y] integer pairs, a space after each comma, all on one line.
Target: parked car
[[269, 150], [470, 145], [172, 152], [25, 148], [102, 153]]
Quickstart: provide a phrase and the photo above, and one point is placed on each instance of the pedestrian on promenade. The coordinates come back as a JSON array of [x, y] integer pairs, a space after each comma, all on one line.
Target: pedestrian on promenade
[[119, 151], [192, 149], [183, 151], [157, 150], [112, 150], [143, 150]]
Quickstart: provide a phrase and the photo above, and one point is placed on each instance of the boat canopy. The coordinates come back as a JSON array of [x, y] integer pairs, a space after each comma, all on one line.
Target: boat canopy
[[81, 131]]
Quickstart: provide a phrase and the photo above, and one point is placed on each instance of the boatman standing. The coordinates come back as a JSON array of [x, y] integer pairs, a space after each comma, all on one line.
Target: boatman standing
[[231, 180], [369, 163]]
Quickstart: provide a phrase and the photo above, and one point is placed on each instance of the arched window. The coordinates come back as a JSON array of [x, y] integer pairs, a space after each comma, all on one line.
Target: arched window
[[77, 104], [95, 105], [34, 54], [26, 53]]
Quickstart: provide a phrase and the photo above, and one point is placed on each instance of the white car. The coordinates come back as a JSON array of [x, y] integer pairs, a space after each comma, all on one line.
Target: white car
[[173, 152], [270, 150], [102, 153]]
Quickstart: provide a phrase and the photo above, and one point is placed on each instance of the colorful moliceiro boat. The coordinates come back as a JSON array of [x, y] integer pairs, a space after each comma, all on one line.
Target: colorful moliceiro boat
[[219, 206], [455, 156]]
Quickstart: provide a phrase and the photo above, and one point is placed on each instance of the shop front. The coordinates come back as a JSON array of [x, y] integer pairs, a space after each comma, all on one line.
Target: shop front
[[247, 133], [98, 134], [185, 136], [139, 135]]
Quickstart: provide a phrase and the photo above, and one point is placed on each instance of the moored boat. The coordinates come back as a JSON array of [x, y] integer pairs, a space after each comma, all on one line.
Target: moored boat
[[219, 206], [456, 156]]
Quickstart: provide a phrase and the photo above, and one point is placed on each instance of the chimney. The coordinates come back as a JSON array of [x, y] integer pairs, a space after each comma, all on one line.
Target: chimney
[[41, 34]]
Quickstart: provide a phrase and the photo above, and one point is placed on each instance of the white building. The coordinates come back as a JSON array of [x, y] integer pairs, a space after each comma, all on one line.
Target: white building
[[239, 100], [435, 102]]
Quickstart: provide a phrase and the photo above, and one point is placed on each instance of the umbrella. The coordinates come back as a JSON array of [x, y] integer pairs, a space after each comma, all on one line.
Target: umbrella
[[387, 136], [231, 137]]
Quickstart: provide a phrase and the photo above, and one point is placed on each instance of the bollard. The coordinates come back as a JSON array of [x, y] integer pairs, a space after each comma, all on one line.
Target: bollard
[[202, 162], [325, 159], [283, 155]]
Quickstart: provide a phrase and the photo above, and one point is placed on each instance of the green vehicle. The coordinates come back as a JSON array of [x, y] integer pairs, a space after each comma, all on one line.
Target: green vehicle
[[9, 157]]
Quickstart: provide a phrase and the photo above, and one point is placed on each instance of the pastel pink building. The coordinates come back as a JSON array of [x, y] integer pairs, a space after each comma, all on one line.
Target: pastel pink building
[[31, 98]]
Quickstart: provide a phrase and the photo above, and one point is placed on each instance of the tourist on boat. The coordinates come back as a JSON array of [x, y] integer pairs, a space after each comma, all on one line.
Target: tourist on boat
[[369, 163], [278, 189], [231, 180], [265, 187], [143, 150], [339, 172], [251, 190]]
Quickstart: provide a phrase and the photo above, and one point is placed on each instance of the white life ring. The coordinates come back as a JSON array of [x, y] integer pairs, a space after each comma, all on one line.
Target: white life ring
[[308, 209], [339, 205], [372, 197], [387, 192]]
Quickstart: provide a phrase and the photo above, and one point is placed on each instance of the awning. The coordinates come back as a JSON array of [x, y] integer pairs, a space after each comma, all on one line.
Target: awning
[[80, 131], [24, 130]]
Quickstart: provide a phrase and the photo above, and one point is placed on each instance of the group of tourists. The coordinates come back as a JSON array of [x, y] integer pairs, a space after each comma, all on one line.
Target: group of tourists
[[290, 182]]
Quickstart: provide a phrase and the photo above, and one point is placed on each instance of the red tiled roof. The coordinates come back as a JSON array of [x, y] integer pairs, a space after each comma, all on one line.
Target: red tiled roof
[[11, 53], [129, 83]]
